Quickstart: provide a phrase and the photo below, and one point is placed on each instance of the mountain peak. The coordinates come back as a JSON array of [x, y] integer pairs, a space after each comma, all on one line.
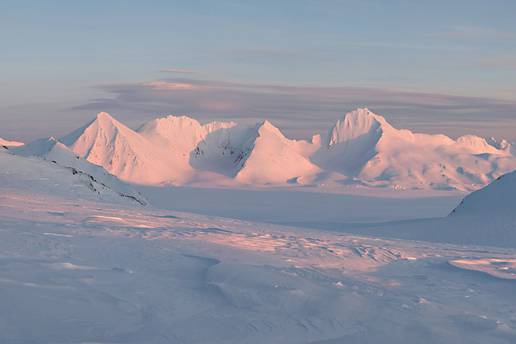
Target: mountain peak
[[104, 116], [103, 122], [362, 117], [266, 126], [271, 158], [175, 119], [171, 126], [105, 119], [357, 123], [362, 112], [173, 131], [477, 144]]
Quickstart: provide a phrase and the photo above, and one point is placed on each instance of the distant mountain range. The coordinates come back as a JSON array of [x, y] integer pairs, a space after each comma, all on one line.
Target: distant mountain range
[[361, 149]]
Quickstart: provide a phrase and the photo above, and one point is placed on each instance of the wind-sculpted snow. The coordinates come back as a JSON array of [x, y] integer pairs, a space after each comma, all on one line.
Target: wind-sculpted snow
[[73, 270], [362, 149], [501, 268]]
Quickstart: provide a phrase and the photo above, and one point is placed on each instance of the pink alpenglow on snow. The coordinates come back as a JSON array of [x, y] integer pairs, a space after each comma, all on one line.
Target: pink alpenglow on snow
[[7, 143], [362, 149]]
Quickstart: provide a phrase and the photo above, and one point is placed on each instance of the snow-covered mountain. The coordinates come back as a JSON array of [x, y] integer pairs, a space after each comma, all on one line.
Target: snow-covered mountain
[[179, 133], [269, 157], [121, 151], [179, 150], [176, 137], [360, 149], [7, 143], [94, 177], [258, 154], [157, 153], [365, 147]]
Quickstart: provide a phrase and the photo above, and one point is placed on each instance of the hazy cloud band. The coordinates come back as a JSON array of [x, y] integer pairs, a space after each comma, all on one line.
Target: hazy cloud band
[[301, 110]]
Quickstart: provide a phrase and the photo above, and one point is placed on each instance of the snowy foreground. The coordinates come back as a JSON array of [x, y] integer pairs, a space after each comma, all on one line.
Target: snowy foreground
[[78, 266]]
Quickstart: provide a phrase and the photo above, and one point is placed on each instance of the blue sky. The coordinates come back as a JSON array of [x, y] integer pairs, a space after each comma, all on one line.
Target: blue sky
[[434, 66]]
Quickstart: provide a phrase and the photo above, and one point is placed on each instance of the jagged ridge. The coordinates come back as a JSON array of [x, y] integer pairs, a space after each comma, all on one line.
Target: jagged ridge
[[362, 148], [95, 177]]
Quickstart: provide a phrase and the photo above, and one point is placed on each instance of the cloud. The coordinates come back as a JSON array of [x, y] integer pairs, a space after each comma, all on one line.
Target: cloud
[[164, 85], [266, 53], [507, 62], [302, 110], [178, 71], [475, 33]]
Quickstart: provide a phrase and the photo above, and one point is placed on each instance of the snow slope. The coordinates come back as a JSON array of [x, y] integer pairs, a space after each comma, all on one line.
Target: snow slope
[[485, 217], [496, 199], [54, 152], [362, 149]]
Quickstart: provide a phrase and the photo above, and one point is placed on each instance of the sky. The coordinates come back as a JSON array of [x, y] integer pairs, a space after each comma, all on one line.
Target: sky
[[430, 66]]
